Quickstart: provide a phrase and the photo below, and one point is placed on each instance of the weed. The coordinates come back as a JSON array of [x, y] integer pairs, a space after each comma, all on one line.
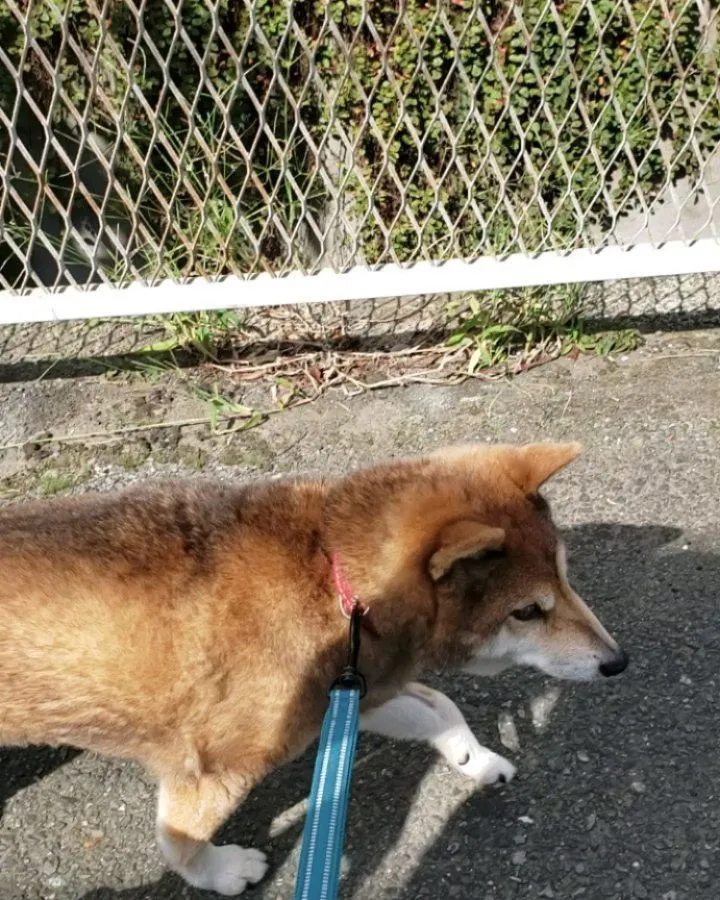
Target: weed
[[223, 409], [54, 481], [530, 322], [206, 333]]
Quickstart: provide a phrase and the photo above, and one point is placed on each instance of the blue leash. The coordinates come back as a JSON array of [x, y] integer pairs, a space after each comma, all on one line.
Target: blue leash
[[322, 844]]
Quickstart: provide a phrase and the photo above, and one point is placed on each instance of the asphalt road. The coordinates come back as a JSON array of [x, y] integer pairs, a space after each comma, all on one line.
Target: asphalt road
[[618, 788]]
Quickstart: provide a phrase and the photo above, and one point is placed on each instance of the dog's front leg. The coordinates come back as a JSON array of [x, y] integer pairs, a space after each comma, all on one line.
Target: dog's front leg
[[189, 812], [420, 713]]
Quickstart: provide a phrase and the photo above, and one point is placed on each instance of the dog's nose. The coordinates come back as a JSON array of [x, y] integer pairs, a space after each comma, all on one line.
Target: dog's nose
[[615, 666]]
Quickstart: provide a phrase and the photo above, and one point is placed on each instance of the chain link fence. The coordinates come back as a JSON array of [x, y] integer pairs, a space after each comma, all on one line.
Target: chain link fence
[[146, 140]]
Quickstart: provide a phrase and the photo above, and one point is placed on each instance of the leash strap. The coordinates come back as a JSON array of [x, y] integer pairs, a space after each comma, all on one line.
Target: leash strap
[[322, 845], [323, 836]]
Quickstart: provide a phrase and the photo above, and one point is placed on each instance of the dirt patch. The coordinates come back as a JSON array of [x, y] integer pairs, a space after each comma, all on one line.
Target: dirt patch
[[59, 435]]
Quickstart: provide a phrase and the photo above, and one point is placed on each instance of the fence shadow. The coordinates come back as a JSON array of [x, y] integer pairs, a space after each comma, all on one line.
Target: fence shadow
[[68, 351], [616, 796]]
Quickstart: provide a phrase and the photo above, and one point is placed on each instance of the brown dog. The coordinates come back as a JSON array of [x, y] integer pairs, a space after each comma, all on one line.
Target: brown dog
[[195, 627]]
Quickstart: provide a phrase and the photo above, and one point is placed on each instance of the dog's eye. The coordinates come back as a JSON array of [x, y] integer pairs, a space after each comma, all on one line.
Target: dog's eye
[[526, 613]]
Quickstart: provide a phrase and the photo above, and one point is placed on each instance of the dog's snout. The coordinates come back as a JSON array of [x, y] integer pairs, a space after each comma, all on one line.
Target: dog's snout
[[614, 666]]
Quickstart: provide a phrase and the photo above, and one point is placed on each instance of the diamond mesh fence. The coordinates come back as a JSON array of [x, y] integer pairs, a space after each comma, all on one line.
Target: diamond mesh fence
[[142, 140]]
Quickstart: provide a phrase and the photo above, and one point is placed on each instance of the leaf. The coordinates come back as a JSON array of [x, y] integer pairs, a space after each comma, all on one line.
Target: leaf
[[257, 418], [456, 339], [160, 346], [499, 330], [477, 356]]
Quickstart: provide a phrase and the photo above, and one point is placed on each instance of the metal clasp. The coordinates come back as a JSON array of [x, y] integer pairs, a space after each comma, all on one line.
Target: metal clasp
[[350, 678]]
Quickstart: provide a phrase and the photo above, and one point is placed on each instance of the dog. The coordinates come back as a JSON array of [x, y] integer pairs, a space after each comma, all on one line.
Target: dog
[[195, 626]]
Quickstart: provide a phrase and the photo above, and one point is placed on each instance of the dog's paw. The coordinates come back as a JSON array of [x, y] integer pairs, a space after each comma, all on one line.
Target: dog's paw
[[487, 768], [467, 756], [230, 869]]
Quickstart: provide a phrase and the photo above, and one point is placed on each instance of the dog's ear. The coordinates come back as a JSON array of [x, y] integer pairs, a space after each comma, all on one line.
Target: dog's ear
[[533, 464], [461, 540]]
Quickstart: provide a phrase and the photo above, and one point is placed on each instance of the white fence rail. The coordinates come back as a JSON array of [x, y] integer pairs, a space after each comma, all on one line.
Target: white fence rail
[[165, 155]]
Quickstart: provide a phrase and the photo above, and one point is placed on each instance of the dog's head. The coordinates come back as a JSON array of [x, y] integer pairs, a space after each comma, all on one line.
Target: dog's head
[[498, 569]]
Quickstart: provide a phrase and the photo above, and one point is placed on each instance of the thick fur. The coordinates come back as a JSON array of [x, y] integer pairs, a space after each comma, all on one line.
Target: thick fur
[[195, 627]]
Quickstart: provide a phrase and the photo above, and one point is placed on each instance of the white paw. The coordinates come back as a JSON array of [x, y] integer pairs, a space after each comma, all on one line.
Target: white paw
[[226, 870], [488, 768], [466, 755]]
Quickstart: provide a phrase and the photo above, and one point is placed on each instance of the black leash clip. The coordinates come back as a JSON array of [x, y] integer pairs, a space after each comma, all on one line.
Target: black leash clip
[[350, 678]]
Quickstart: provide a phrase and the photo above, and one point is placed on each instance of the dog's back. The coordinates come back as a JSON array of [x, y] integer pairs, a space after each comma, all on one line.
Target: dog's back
[[119, 613]]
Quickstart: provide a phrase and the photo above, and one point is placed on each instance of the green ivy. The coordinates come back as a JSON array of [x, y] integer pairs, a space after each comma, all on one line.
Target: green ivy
[[481, 96], [492, 153]]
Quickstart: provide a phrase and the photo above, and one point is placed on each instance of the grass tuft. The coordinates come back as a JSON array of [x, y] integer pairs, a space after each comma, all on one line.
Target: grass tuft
[[531, 324]]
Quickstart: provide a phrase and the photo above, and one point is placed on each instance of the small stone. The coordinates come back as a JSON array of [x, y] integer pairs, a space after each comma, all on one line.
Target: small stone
[[541, 707], [49, 867], [580, 868], [93, 839], [547, 891], [639, 890], [583, 756], [519, 857], [590, 822], [508, 732], [638, 787]]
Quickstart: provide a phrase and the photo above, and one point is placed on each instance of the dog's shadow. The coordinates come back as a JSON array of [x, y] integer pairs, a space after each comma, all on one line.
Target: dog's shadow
[[616, 795], [21, 767]]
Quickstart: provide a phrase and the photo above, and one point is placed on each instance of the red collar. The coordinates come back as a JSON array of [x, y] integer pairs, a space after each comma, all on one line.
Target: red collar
[[349, 603]]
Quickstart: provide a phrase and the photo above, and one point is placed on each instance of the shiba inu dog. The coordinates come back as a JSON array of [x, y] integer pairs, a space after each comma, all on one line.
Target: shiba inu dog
[[195, 626]]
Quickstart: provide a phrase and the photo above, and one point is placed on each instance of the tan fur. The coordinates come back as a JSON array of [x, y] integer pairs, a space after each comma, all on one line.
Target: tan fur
[[195, 626]]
